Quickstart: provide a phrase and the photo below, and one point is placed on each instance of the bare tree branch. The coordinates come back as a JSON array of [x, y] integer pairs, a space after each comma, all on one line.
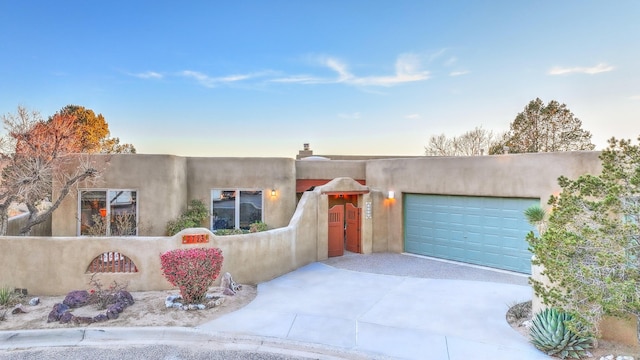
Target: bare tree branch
[[33, 152]]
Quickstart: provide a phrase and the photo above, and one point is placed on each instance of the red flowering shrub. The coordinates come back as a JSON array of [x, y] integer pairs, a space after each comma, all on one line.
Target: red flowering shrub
[[193, 271]]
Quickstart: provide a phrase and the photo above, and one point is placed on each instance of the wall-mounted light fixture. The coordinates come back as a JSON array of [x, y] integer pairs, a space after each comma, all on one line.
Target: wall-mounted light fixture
[[391, 195], [273, 192]]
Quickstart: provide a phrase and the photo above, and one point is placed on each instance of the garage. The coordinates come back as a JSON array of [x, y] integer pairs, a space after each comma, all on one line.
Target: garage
[[487, 231]]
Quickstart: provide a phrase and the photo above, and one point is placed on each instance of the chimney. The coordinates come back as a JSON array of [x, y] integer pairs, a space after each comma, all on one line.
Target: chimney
[[306, 152]]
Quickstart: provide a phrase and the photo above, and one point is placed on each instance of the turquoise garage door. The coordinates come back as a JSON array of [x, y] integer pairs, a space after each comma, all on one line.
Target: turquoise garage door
[[488, 231]]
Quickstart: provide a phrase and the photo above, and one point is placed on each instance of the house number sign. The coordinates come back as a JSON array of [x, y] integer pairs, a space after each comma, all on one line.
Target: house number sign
[[195, 238]]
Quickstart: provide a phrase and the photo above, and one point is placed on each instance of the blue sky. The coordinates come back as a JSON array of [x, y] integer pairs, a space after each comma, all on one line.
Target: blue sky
[[260, 78]]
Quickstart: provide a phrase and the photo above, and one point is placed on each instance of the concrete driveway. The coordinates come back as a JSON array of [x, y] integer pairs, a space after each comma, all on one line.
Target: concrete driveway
[[389, 315]]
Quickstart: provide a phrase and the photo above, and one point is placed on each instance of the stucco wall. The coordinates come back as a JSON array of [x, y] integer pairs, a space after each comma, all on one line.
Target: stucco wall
[[330, 169], [165, 184], [205, 174], [17, 222], [160, 182], [512, 175], [56, 265]]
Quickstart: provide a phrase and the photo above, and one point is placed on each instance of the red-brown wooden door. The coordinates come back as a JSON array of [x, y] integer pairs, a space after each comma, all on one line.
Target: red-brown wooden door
[[336, 231], [353, 215]]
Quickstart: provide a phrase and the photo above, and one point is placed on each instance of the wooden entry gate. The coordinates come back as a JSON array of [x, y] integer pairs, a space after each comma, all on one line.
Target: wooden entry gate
[[344, 233]]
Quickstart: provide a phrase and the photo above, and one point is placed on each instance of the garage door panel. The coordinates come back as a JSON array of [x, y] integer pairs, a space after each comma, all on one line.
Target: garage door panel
[[480, 230]]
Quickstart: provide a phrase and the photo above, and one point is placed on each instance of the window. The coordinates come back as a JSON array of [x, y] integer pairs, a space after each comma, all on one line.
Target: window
[[235, 209], [108, 212]]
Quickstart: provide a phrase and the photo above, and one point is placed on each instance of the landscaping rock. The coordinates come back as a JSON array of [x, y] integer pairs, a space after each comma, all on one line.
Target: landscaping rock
[[112, 314], [19, 309], [117, 307], [171, 299], [35, 301], [66, 317], [124, 297], [77, 298], [230, 287], [171, 302], [216, 302], [82, 320], [57, 311], [100, 318]]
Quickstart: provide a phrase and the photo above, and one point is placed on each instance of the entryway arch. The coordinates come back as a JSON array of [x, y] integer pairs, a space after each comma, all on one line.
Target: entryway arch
[[344, 200]]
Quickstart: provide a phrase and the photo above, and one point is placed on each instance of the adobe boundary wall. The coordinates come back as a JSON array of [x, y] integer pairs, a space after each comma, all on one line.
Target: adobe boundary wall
[[57, 265]]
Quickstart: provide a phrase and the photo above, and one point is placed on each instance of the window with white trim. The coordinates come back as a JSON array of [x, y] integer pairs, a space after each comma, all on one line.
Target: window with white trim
[[108, 212], [235, 208]]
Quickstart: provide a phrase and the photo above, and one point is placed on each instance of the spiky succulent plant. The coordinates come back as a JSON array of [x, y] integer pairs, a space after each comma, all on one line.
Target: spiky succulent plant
[[549, 333]]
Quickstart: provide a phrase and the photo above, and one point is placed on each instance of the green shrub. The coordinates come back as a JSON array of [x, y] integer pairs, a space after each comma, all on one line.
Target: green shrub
[[589, 247], [7, 296], [223, 232], [258, 226], [195, 214], [255, 227], [550, 333]]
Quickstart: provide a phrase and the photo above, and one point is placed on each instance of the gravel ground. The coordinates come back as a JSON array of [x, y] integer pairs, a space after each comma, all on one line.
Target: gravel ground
[[422, 267]]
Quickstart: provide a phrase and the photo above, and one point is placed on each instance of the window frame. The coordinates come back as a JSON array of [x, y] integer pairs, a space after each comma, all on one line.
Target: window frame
[[237, 202], [108, 208]]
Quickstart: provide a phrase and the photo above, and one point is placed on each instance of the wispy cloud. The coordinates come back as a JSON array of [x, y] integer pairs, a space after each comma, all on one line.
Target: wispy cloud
[[413, 116], [438, 54], [301, 79], [451, 61], [148, 75], [407, 69], [634, 97], [459, 73], [352, 116], [209, 81], [600, 68]]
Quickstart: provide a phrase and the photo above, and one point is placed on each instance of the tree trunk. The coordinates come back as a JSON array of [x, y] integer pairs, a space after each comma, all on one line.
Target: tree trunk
[[4, 222]]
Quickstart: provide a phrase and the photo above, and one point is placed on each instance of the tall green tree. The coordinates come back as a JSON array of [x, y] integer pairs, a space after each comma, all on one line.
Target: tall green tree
[[590, 249], [547, 128], [93, 132]]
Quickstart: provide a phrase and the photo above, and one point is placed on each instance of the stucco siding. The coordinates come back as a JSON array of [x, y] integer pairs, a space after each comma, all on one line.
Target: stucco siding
[[265, 174], [160, 182], [512, 175], [330, 169]]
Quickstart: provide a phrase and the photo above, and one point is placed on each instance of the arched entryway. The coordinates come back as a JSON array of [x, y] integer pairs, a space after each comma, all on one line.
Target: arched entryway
[[345, 199], [345, 224], [344, 218]]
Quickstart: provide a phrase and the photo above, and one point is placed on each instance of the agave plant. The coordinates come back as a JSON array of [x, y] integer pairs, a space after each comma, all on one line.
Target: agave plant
[[549, 333]]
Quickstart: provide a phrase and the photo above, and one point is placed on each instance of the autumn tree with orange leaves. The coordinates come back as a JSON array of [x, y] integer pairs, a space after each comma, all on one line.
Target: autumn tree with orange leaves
[[34, 153], [93, 132]]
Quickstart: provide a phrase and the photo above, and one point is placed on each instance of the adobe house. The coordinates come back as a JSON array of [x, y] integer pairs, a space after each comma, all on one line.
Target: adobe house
[[467, 209]]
